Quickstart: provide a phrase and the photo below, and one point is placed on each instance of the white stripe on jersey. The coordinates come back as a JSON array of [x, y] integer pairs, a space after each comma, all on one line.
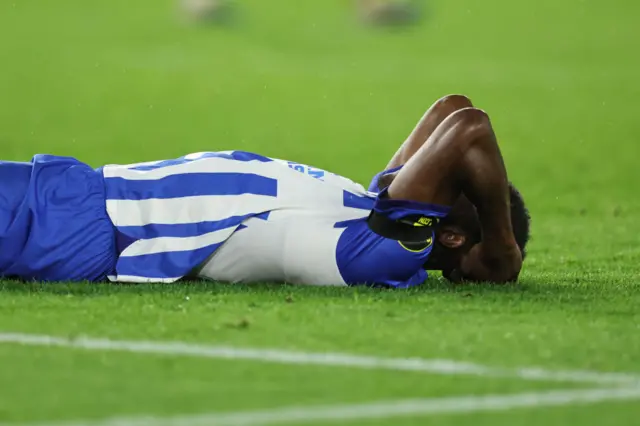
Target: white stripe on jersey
[[169, 244], [141, 280], [206, 208]]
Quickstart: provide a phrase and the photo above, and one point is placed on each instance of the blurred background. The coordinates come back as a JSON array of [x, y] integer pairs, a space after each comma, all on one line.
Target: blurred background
[[339, 84]]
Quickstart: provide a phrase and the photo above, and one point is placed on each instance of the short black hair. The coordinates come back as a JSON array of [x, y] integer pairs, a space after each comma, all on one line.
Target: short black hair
[[520, 219]]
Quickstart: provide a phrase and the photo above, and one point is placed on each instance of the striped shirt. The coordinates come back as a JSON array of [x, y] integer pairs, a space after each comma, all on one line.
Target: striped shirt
[[173, 216]]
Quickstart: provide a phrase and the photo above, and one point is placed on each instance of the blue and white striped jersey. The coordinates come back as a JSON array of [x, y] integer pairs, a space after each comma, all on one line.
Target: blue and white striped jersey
[[237, 216]]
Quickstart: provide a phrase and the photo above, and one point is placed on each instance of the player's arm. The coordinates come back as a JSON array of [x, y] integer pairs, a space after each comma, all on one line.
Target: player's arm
[[431, 119], [462, 156]]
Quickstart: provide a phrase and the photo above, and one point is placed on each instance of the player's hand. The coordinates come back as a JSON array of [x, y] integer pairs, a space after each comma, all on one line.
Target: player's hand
[[491, 264]]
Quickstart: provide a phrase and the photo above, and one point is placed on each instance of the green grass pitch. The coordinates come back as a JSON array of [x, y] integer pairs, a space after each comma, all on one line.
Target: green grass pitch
[[124, 81]]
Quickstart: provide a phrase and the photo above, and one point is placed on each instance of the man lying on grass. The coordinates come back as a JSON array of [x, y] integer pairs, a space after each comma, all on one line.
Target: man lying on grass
[[442, 203]]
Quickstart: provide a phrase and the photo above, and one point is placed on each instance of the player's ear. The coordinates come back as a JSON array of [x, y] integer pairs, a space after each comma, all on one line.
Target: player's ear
[[452, 237]]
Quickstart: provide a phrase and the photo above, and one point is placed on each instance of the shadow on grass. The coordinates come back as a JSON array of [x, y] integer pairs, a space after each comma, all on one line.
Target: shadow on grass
[[433, 286], [566, 294]]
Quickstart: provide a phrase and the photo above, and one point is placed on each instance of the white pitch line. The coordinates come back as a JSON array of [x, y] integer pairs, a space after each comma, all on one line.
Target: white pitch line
[[375, 410], [435, 366]]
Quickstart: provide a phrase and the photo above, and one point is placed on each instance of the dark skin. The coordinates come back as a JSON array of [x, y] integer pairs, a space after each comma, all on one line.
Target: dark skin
[[452, 158]]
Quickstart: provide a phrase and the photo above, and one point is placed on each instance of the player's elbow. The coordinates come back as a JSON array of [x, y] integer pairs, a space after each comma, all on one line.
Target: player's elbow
[[473, 118], [454, 103], [475, 124]]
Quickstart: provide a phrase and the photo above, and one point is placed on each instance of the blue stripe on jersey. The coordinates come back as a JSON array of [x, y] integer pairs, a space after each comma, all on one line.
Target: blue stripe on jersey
[[249, 156], [349, 199], [190, 185], [234, 155], [345, 223], [166, 264], [183, 230]]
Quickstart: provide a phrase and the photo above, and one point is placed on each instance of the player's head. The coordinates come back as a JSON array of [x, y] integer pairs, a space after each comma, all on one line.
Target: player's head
[[460, 230]]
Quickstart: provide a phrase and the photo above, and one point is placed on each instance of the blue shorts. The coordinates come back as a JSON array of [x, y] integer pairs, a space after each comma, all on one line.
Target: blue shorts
[[53, 221]]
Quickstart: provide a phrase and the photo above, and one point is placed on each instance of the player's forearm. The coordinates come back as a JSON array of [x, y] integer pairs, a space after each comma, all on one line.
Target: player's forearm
[[484, 181]]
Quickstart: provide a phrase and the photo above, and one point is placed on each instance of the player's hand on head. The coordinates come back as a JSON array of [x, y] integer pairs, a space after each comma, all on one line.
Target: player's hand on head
[[483, 264]]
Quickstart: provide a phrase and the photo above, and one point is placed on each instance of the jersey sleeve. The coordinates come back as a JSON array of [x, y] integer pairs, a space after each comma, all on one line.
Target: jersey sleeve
[[374, 186], [366, 258]]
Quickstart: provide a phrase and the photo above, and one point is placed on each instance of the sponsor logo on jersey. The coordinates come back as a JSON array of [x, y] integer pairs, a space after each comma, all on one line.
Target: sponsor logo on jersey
[[425, 221]]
